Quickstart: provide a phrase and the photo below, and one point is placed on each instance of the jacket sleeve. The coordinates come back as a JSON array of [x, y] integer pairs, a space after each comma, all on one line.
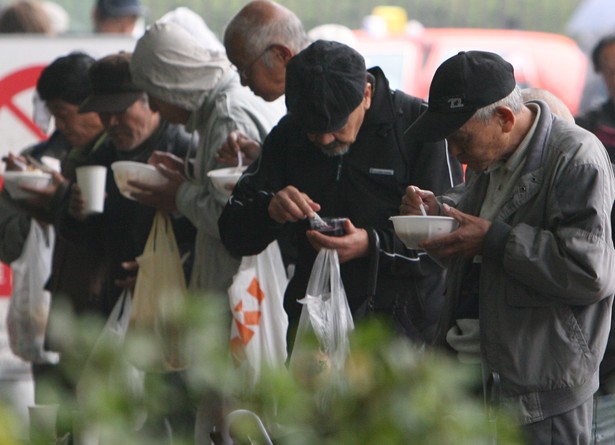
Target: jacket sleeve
[[14, 228], [245, 225], [198, 200]]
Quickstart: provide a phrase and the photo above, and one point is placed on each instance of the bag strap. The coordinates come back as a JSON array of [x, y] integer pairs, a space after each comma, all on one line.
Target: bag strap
[[410, 108]]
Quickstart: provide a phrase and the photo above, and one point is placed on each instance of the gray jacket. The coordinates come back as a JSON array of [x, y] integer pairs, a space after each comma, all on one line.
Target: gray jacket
[[547, 276]]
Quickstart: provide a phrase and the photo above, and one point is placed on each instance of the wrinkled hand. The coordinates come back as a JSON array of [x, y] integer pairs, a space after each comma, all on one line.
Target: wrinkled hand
[[161, 197], [354, 244], [130, 281], [411, 201], [15, 163], [291, 205], [467, 240], [168, 160], [42, 197], [238, 143], [76, 203]]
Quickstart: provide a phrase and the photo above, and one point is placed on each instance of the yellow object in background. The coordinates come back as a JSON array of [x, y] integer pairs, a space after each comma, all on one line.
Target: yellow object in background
[[395, 18]]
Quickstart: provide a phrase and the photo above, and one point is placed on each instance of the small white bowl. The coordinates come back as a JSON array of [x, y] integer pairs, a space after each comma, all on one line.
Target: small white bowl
[[224, 179], [414, 229], [13, 179], [123, 171]]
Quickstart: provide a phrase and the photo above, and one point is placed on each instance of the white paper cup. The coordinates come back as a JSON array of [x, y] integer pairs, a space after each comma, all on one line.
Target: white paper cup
[[91, 180], [43, 423]]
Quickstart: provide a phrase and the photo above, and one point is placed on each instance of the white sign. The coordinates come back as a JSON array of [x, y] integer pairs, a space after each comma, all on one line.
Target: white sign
[[22, 58]]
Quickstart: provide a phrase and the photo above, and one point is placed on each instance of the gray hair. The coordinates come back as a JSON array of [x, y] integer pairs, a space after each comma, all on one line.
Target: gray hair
[[144, 98], [256, 31], [514, 101]]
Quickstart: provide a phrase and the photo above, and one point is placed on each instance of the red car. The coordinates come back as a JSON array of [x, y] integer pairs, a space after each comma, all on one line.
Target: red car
[[544, 60]]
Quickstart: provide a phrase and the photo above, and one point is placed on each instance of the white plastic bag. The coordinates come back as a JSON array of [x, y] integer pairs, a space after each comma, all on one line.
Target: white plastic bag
[[29, 306], [325, 313], [258, 332], [110, 344], [107, 366]]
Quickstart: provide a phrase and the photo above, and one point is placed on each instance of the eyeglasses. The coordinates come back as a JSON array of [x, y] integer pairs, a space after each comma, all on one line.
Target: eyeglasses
[[244, 74]]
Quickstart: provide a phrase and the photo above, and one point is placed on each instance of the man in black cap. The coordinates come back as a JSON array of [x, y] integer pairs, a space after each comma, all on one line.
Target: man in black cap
[[530, 268], [340, 151], [134, 131], [121, 231]]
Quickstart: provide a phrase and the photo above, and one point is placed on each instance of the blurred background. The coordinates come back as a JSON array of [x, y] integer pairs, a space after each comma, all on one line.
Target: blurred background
[[544, 15]]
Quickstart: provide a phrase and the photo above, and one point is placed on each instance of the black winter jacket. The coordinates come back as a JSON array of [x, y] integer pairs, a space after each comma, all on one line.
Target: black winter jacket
[[121, 231], [365, 185]]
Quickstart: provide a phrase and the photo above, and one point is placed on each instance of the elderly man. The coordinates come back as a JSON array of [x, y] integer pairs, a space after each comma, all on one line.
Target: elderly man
[[260, 40], [76, 272], [191, 85], [341, 151], [134, 132], [121, 231], [529, 278]]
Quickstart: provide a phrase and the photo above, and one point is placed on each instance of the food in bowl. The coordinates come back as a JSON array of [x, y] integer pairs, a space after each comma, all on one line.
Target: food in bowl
[[414, 229], [31, 178], [224, 179], [123, 171]]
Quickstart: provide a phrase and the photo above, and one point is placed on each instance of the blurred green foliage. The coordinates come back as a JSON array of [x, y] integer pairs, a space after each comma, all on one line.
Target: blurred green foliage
[[545, 15], [389, 392]]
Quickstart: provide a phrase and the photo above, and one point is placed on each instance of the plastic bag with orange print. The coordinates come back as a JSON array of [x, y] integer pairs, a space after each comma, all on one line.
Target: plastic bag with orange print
[[258, 332]]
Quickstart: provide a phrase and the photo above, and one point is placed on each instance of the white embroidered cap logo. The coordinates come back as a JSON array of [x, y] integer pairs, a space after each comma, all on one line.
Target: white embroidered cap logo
[[455, 102]]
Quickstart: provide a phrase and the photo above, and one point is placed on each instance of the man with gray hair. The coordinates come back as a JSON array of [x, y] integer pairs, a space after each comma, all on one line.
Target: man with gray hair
[[260, 40], [530, 279]]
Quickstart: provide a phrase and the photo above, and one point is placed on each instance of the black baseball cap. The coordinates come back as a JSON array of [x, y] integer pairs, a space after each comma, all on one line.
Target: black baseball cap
[[324, 84], [112, 90], [461, 85]]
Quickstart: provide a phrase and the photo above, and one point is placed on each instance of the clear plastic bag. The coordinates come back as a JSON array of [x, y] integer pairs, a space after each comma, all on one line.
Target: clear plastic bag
[[29, 306], [326, 314], [110, 344]]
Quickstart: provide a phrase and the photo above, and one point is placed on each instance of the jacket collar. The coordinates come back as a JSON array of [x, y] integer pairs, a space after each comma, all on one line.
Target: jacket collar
[[381, 110], [536, 153]]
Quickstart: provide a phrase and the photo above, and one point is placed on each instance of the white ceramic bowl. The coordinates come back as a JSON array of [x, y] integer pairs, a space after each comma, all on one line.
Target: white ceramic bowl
[[414, 229], [123, 171], [224, 179], [13, 179]]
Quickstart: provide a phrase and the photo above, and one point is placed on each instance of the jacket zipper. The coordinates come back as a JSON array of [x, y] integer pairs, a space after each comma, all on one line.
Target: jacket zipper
[[338, 174]]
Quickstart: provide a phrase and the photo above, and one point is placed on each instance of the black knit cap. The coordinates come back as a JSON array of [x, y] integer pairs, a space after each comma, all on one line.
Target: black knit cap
[[324, 84], [460, 86]]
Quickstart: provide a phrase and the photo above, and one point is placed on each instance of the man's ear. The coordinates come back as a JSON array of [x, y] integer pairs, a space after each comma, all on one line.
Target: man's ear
[[506, 118], [367, 97], [281, 53]]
